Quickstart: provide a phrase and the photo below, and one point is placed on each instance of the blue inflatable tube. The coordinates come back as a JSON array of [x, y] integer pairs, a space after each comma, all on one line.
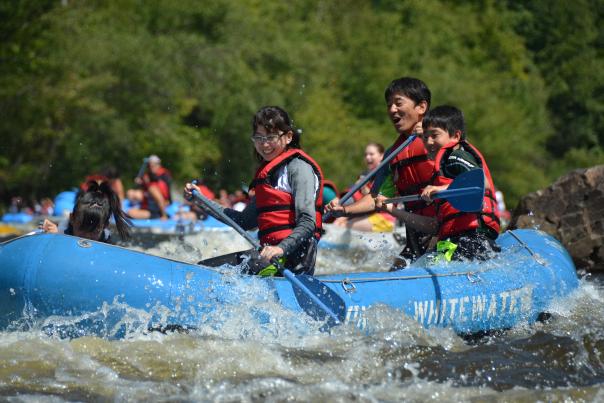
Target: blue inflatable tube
[[17, 218], [52, 274]]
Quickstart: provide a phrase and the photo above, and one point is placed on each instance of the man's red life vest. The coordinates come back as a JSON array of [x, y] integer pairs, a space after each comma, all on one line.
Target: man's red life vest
[[276, 210], [452, 221], [413, 171]]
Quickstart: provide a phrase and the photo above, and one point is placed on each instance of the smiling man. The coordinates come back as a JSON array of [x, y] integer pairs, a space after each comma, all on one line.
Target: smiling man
[[407, 101]]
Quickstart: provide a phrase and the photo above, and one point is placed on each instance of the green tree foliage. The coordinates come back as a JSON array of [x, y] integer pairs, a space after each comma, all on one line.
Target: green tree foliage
[[566, 40], [89, 84]]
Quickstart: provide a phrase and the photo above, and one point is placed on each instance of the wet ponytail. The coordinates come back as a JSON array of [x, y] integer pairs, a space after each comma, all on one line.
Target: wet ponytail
[[122, 222], [94, 207]]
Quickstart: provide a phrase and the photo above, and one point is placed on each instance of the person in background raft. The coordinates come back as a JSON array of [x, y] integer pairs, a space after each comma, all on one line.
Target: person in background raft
[[372, 222], [240, 199], [330, 192], [504, 214], [154, 195], [460, 235], [115, 182], [110, 175], [409, 172], [195, 212], [287, 203], [91, 213], [45, 207]]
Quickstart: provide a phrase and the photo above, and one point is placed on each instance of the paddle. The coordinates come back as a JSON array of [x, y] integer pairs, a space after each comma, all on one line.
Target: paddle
[[372, 173], [314, 297], [465, 193], [141, 170]]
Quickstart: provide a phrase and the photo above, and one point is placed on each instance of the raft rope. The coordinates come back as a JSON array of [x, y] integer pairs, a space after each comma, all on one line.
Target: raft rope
[[367, 280], [473, 277], [525, 246], [348, 284]]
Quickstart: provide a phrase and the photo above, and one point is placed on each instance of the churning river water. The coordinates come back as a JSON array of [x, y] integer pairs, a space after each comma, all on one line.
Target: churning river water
[[559, 360]]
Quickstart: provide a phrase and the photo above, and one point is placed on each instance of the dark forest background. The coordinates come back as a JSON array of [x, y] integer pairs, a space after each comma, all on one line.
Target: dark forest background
[[87, 84]]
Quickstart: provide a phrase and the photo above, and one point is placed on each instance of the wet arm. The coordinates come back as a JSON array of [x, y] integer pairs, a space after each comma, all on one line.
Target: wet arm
[[302, 180], [427, 225], [247, 219]]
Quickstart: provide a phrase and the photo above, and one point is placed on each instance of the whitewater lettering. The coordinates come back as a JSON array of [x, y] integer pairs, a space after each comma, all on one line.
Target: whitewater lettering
[[355, 314], [474, 307], [463, 309]]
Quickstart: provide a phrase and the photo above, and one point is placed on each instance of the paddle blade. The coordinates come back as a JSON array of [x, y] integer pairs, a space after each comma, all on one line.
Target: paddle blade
[[329, 298], [466, 192]]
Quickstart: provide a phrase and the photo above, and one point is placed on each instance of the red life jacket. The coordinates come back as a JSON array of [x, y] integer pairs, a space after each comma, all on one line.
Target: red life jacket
[[276, 214], [358, 195], [161, 179], [452, 221], [98, 178], [413, 171]]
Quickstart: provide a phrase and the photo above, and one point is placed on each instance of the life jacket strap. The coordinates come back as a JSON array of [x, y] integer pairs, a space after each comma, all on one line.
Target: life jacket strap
[[267, 231], [278, 207], [409, 161]]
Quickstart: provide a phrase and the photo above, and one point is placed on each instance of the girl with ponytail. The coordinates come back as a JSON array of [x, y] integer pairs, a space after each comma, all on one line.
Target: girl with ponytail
[[91, 214], [287, 204]]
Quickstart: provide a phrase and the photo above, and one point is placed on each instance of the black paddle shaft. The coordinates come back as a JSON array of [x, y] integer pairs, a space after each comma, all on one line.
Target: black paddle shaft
[[314, 297], [228, 220], [141, 170]]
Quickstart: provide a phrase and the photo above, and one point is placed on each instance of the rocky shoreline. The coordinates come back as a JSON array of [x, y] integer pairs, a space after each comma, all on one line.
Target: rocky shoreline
[[572, 210]]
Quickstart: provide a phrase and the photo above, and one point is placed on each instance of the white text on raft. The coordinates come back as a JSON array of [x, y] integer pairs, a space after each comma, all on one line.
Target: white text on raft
[[461, 309]]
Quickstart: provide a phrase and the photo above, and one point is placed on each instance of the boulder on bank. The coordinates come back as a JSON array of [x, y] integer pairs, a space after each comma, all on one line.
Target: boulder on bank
[[572, 210]]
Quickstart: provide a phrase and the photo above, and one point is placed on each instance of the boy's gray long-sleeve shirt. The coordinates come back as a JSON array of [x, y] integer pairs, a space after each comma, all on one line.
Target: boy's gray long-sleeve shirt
[[301, 178]]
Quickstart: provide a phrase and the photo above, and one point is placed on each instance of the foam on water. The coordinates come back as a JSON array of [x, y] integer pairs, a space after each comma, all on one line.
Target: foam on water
[[261, 351], [348, 250]]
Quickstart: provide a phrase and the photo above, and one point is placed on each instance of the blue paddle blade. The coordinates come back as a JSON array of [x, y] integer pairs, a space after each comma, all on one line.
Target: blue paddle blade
[[317, 300], [466, 192], [336, 308]]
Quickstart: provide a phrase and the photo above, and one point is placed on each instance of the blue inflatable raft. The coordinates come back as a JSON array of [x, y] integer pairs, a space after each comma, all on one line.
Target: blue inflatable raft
[[17, 218], [43, 275], [177, 227]]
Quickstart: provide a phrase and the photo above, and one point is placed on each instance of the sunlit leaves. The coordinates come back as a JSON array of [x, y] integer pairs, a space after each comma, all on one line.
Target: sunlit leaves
[[89, 84]]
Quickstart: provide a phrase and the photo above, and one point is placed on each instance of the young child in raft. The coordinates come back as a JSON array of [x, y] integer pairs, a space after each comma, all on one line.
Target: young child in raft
[[91, 214], [287, 203], [460, 235]]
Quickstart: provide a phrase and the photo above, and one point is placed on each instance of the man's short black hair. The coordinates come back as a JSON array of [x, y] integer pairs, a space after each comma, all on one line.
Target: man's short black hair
[[412, 88]]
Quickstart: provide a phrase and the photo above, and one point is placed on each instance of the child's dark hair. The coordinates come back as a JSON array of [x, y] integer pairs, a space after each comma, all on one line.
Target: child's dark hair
[[274, 119], [446, 117], [94, 207], [412, 88]]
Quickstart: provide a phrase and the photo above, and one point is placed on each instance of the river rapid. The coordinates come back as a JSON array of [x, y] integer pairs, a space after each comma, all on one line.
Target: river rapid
[[561, 359]]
